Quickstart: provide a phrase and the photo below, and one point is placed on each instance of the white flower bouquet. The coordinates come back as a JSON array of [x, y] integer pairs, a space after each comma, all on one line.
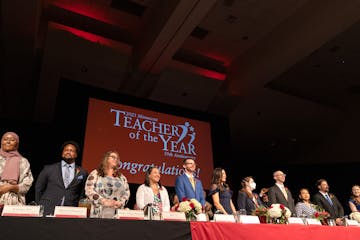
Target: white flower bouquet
[[355, 216], [190, 207], [278, 213]]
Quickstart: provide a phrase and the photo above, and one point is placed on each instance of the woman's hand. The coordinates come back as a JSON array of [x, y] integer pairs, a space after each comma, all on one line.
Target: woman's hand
[[108, 203], [111, 203], [118, 204], [7, 188]]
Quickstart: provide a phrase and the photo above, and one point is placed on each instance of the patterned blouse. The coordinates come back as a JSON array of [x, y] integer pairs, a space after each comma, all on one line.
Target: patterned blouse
[[304, 210], [157, 203], [24, 183], [97, 188]]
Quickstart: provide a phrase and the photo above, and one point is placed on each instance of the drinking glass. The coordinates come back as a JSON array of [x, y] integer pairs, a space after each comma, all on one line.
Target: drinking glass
[[108, 212], [242, 212], [85, 202], [239, 213], [331, 222]]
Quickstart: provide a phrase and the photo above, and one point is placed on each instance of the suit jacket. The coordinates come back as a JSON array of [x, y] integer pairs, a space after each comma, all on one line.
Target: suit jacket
[[184, 188], [244, 202], [145, 195], [276, 196], [335, 211], [50, 189]]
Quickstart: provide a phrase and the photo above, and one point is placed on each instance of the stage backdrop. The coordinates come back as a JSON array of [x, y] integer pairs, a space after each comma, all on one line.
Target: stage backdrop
[[144, 138]]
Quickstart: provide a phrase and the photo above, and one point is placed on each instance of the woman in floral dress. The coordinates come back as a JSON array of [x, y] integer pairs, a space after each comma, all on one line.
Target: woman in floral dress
[[106, 186]]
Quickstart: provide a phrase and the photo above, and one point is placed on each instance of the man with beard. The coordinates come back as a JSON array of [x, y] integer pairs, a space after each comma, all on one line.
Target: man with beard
[[328, 201], [62, 183], [187, 186]]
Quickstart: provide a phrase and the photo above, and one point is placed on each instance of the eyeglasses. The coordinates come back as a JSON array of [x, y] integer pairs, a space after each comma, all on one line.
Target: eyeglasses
[[114, 157]]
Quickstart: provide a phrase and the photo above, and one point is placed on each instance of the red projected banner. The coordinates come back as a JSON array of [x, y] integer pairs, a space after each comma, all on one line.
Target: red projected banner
[[144, 138]]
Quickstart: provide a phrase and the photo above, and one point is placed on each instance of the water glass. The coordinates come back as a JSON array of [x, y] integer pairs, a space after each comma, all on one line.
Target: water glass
[[331, 222], [85, 202], [108, 212], [241, 212]]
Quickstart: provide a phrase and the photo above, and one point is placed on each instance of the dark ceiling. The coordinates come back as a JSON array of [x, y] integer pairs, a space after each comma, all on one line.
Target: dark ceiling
[[284, 72]]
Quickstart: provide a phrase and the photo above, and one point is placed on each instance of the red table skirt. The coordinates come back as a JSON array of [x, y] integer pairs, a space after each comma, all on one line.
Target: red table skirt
[[217, 231]]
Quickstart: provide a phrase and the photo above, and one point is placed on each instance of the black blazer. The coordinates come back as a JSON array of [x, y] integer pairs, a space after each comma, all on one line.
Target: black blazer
[[244, 202], [276, 196], [335, 211], [50, 189]]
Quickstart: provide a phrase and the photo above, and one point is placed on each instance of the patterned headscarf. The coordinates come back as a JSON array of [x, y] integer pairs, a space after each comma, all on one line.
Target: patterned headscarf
[[11, 170]]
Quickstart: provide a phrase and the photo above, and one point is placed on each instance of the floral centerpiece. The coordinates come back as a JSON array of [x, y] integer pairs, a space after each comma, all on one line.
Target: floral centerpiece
[[190, 207], [262, 213], [322, 216], [278, 213], [355, 216]]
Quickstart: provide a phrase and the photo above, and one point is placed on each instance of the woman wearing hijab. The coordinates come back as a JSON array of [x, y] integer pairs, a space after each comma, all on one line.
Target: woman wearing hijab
[[15, 174]]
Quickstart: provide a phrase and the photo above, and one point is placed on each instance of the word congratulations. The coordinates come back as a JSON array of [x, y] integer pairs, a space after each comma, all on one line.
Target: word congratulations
[[134, 168]]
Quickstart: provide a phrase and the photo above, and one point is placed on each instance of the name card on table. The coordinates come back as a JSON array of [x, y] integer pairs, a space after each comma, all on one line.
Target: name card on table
[[201, 217], [249, 219], [21, 211], [351, 222], [313, 221], [130, 214], [296, 220], [70, 212], [174, 216], [224, 218]]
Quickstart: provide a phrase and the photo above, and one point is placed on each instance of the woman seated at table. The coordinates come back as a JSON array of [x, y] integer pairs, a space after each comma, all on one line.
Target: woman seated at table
[[247, 199], [304, 208], [106, 186], [15, 174], [221, 193], [152, 192], [354, 201]]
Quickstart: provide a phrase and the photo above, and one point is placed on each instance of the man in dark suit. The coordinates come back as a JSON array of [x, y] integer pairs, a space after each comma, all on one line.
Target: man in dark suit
[[187, 186], [62, 183], [281, 194], [328, 201]]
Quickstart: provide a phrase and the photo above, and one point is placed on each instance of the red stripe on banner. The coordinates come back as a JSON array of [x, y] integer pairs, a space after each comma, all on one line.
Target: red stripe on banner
[[19, 215], [217, 230]]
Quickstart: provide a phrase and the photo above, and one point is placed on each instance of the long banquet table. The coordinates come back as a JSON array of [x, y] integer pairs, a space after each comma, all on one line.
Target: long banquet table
[[68, 229]]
